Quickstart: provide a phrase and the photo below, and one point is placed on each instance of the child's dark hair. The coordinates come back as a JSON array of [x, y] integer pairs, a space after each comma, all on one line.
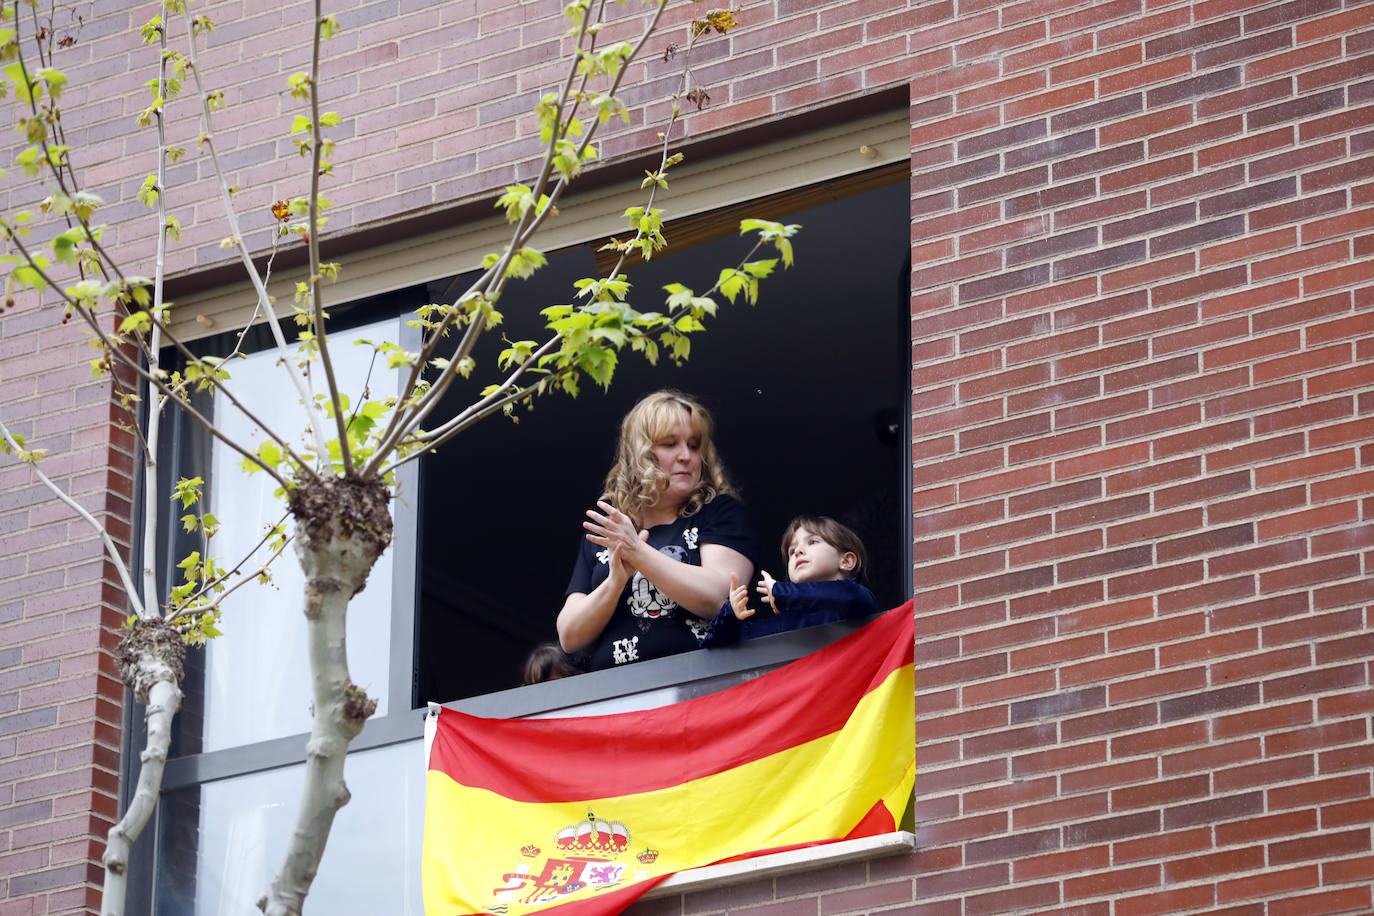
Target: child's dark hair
[[548, 662], [833, 533]]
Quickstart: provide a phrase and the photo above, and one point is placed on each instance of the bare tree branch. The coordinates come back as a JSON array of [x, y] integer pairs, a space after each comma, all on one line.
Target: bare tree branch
[[264, 301], [313, 244], [110, 549], [529, 223]]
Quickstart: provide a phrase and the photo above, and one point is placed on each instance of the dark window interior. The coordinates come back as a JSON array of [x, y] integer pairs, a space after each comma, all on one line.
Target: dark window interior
[[808, 389]]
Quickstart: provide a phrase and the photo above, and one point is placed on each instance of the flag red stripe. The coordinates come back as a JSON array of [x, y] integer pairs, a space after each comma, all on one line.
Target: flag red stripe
[[570, 760]]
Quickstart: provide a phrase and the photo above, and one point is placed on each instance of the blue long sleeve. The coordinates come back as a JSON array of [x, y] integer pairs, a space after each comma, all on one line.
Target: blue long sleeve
[[723, 630], [800, 604]]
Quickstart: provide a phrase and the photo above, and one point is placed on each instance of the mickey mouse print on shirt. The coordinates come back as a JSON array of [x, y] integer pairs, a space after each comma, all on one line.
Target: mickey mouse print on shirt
[[645, 598]]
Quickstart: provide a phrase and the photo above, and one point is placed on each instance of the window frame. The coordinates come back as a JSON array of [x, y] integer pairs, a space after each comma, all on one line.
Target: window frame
[[635, 686]]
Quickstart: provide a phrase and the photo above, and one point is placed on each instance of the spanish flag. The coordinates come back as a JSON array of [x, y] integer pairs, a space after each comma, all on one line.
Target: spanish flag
[[586, 814]]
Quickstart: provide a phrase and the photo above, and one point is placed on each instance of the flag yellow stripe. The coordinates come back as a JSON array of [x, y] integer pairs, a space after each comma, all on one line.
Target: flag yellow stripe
[[815, 791]]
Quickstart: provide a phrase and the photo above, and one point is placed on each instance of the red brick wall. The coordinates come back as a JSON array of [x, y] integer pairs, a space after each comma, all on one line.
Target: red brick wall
[[436, 99], [1143, 328], [60, 694], [1142, 247]]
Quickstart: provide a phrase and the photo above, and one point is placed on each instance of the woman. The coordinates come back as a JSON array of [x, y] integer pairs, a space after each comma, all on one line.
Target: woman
[[662, 543]]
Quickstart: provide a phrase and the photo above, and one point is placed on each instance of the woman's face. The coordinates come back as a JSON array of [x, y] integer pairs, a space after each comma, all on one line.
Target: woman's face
[[679, 456]]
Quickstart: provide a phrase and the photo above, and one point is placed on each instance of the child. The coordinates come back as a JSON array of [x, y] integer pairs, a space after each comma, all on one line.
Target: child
[[824, 561], [548, 662]]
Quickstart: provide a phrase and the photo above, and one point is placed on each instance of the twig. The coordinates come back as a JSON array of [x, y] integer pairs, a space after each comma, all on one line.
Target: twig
[[162, 386], [186, 611], [496, 400], [110, 548], [313, 245], [403, 426], [321, 448], [150, 481]]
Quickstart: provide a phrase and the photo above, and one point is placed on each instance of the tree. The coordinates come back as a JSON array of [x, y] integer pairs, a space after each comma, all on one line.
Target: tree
[[337, 471]]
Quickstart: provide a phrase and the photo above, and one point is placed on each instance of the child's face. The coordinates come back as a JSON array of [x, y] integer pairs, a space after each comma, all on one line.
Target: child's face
[[810, 558]]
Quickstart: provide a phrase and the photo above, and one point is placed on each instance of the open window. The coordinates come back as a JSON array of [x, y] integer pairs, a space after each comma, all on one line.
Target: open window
[[807, 389]]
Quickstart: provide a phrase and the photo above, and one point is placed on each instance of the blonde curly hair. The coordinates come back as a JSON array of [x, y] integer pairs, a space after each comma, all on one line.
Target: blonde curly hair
[[635, 480]]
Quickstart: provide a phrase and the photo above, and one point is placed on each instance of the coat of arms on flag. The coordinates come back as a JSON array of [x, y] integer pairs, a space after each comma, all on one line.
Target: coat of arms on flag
[[585, 814], [583, 855]]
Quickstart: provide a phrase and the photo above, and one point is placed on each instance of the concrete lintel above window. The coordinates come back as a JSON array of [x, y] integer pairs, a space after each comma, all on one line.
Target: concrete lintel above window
[[697, 187]]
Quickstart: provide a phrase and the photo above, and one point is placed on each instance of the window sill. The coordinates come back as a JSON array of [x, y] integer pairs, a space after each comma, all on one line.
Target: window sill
[[782, 863], [656, 682]]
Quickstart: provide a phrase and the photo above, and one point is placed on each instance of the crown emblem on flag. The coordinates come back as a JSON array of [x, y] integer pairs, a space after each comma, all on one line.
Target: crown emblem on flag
[[529, 851], [648, 856], [593, 835]]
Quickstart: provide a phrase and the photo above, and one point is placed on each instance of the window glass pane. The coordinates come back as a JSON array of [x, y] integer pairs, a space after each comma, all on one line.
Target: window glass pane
[[256, 680], [220, 844]]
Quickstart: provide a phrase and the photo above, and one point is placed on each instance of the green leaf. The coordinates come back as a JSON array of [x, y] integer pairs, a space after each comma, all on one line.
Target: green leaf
[[187, 490], [28, 160], [761, 268], [84, 204], [785, 249], [731, 282], [517, 201], [191, 566], [615, 336], [27, 276], [14, 75], [525, 262], [138, 322], [298, 84], [268, 452], [148, 192], [64, 248]]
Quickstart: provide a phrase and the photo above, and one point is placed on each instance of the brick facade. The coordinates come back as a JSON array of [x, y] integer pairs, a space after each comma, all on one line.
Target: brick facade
[[1143, 409]]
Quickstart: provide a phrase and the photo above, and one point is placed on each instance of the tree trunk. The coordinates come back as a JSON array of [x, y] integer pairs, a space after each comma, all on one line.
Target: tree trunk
[[343, 525], [152, 663]]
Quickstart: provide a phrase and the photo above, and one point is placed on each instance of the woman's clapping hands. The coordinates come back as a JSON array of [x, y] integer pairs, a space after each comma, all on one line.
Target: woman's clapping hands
[[612, 529]]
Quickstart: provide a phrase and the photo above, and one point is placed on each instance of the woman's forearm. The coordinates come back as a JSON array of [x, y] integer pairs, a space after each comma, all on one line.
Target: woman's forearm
[[700, 590], [584, 616]]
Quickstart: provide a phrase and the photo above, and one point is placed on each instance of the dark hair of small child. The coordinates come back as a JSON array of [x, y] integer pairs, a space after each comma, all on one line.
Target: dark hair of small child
[[833, 533], [548, 662]]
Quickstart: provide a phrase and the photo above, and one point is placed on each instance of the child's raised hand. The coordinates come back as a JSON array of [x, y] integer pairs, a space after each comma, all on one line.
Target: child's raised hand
[[765, 588], [739, 599]]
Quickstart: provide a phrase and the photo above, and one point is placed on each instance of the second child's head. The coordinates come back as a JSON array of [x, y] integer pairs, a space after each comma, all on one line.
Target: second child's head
[[548, 662], [820, 549]]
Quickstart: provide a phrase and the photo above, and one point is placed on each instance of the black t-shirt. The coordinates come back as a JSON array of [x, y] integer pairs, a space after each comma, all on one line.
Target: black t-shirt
[[647, 623]]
